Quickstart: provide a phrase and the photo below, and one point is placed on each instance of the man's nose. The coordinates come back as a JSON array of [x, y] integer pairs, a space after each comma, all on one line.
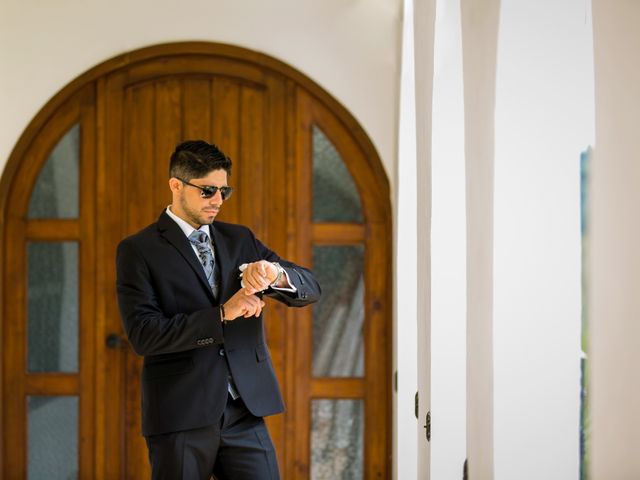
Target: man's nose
[[217, 197]]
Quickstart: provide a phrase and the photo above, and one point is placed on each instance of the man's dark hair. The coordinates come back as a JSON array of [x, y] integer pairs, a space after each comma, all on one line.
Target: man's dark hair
[[196, 159]]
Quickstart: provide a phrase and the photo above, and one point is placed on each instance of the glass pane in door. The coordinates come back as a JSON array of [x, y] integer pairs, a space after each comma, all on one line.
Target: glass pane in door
[[52, 294], [56, 191], [338, 318], [335, 196], [52, 437], [337, 433]]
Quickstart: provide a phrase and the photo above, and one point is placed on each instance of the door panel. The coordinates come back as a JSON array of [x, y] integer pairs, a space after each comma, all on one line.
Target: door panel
[[197, 107], [369, 382], [266, 117], [46, 263]]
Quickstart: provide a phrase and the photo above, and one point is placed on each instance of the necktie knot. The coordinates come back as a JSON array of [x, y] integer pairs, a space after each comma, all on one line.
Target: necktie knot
[[198, 236]]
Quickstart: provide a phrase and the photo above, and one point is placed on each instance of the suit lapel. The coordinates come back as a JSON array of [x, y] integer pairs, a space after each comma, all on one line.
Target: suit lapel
[[174, 235], [223, 261]]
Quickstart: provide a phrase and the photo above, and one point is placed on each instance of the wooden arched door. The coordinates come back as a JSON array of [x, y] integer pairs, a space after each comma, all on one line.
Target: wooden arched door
[[308, 182]]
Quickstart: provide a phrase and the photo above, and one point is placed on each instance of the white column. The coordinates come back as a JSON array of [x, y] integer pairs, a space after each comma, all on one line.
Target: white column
[[424, 13], [479, 39], [405, 456], [448, 249], [614, 266]]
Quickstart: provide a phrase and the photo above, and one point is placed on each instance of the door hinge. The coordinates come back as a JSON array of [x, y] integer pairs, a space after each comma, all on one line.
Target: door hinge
[[465, 470], [427, 426], [416, 406]]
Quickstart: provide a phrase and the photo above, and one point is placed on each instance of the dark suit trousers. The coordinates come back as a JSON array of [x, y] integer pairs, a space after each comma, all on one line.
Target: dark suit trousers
[[240, 448]]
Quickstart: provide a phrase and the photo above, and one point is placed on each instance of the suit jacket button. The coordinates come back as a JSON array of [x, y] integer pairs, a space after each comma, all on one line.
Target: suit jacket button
[[304, 295], [221, 352]]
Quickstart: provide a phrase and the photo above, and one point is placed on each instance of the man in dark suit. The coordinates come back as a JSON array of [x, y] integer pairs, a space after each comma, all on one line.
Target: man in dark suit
[[190, 293]]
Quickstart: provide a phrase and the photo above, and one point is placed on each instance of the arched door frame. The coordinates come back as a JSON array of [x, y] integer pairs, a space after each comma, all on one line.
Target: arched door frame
[[374, 187]]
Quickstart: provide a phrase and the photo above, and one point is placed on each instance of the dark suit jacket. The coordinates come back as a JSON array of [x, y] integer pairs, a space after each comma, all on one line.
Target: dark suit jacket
[[172, 318]]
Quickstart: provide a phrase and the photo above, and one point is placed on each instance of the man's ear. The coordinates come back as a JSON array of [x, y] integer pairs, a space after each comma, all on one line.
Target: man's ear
[[174, 184]]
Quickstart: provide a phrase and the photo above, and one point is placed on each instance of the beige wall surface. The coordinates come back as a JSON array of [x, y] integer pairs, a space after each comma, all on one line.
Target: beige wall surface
[[351, 49], [614, 264]]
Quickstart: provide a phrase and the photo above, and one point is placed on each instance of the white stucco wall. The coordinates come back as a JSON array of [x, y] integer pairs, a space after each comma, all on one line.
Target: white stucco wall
[[351, 49], [544, 120]]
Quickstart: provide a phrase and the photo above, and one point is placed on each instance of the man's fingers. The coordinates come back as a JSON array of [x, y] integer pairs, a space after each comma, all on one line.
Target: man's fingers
[[249, 310], [252, 306], [254, 312], [244, 303], [259, 305], [256, 280]]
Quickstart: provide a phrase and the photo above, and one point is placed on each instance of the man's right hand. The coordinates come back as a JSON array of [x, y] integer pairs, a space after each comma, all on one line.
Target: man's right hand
[[242, 305]]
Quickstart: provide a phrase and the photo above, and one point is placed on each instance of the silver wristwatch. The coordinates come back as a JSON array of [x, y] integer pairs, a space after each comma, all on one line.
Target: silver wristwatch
[[280, 273]]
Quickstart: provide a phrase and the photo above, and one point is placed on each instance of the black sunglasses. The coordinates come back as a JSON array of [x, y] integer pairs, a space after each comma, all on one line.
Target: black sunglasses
[[209, 191]]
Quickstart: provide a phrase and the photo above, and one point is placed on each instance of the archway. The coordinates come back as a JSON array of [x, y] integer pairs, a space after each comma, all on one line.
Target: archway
[[91, 168]]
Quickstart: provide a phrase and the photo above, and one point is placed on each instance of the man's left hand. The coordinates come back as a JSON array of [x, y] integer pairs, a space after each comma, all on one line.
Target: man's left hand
[[258, 276]]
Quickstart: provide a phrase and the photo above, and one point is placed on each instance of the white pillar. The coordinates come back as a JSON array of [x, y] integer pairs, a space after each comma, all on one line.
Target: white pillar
[[424, 13], [614, 266], [479, 39], [448, 249], [405, 443]]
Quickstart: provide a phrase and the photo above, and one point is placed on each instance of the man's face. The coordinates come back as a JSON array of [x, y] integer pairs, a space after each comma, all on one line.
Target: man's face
[[188, 203]]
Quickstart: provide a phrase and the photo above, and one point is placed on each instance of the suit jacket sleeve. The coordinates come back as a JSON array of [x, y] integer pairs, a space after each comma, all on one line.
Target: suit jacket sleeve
[[307, 288], [149, 330]]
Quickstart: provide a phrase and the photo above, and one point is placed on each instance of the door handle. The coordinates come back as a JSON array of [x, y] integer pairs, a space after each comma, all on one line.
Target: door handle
[[115, 342]]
